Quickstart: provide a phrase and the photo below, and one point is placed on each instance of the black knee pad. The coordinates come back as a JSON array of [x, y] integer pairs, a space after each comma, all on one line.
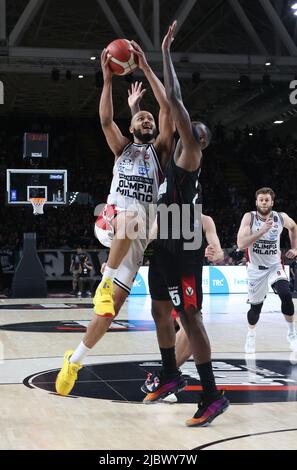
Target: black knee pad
[[254, 313], [282, 289], [287, 304]]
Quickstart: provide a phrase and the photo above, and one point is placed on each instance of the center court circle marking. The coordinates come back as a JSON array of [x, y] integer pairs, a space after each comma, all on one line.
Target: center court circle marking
[[245, 381]]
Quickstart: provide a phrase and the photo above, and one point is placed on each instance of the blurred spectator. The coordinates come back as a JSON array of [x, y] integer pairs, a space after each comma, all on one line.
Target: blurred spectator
[[75, 268], [85, 281]]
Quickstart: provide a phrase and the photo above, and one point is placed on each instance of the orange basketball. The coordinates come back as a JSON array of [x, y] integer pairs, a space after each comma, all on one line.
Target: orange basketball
[[123, 61]]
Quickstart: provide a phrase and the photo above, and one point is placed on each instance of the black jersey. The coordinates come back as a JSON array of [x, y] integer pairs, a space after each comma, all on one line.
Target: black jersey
[[180, 187]]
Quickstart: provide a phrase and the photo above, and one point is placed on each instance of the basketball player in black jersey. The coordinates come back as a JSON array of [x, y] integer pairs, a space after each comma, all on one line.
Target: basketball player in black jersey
[[214, 254], [174, 270]]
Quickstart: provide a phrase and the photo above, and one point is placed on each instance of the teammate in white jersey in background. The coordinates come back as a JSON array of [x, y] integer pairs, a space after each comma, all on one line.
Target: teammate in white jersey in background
[[134, 188], [260, 233]]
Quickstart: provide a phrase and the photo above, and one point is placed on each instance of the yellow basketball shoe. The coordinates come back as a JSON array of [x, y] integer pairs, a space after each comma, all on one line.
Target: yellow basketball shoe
[[103, 300], [67, 376]]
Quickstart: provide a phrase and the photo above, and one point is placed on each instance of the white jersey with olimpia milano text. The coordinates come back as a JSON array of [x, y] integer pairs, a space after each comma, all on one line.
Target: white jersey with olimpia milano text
[[266, 251], [136, 177]]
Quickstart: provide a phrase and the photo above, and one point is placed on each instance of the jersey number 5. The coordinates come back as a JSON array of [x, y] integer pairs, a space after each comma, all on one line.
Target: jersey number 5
[[175, 297]]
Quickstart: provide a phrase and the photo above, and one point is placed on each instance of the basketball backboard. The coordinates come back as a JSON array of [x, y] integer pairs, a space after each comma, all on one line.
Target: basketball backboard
[[22, 185]]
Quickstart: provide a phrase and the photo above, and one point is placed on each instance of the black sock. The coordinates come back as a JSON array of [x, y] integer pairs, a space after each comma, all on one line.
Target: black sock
[[207, 378], [168, 360]]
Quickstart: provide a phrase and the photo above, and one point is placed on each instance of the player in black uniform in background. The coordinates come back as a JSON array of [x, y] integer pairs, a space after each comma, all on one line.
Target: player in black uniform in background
[[175, 271]]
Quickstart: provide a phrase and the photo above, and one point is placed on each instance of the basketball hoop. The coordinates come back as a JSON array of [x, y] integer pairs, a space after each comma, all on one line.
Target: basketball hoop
[[37, 203]]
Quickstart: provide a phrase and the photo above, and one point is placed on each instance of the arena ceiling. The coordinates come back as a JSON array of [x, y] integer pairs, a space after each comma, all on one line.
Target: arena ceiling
[[217, 42]]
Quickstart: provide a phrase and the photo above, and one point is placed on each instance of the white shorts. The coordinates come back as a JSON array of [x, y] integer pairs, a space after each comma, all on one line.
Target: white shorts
[[260, 280], [128, 268]]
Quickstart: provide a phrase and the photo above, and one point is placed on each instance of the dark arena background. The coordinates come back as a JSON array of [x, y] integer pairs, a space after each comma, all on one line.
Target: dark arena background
[[236, 62]]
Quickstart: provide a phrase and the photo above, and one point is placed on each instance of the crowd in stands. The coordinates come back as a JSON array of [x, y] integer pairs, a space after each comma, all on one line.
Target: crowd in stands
[[264, 161]]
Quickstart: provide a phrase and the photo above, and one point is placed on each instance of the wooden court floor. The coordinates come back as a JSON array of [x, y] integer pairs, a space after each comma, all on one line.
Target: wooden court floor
[[105, 411]]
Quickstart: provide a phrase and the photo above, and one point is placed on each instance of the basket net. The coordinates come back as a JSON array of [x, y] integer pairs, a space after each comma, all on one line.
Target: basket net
[[38, 203]]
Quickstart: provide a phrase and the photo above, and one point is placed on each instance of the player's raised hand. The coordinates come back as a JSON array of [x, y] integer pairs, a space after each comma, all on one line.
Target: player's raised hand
[[136, 49], [135, 94], [106, 70], [169, 38]]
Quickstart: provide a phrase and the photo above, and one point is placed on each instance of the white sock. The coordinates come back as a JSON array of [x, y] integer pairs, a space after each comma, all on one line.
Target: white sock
[[80, 352], [252, 331], [291, 328], [110, 273]]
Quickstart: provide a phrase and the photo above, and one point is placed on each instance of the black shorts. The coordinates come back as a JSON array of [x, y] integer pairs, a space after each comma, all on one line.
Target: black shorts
[[171, 278]]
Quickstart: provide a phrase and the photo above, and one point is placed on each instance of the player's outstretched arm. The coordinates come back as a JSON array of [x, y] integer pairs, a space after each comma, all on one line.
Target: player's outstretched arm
[[165, 141], [113, 135], [191, 155], [155, 84]]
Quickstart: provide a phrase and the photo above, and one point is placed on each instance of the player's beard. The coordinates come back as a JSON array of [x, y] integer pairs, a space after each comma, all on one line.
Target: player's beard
[[145, 138], [265, 212]]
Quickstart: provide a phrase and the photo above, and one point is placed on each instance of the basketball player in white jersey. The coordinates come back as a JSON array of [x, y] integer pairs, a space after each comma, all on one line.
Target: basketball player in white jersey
[[260, 233], [136, 177]]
